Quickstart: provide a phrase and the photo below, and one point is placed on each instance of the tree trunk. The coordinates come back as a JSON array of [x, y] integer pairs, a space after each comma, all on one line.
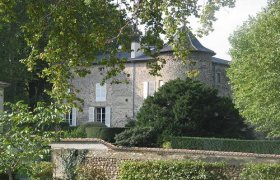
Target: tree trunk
[[10, 174]]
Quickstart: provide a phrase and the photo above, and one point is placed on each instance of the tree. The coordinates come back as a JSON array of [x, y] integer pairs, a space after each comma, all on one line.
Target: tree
[[64, 37], [254, 72], [26, 136], [68, 35], [190, 108], [24, 85]]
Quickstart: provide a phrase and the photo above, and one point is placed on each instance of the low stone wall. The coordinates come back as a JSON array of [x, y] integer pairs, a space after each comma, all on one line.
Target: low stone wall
[[106, 156]]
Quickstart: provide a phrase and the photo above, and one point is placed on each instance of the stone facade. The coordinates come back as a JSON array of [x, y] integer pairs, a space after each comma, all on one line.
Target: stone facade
[[124, 100], [108, 157]]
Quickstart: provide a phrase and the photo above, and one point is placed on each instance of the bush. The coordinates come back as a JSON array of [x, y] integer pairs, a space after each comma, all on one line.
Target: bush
[[3, 176], [261, 172], [137, 137], [190, 108], [105, 133], [41, 171], [130, 123], [89, 172], [78, 132], [93, 124], [215, 144], [166, 170]]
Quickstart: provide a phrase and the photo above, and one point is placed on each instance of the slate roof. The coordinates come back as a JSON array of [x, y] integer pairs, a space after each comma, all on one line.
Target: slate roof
[[196, 46], [220, 61]]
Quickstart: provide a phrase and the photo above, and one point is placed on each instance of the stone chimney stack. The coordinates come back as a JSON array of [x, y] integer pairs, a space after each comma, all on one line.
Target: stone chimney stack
[[135, 49]]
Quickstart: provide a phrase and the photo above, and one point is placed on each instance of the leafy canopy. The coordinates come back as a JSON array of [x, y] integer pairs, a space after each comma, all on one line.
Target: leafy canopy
[[25, 136], [254, 72], [58, 39], [67, 35]]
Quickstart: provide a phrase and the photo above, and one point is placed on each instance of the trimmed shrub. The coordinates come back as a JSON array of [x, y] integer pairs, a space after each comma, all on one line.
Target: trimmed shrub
[[261, 172], [191, 108], [166, 170], [89, 172], [219, 144], [105, 133], [93, 124], [137, 137], [41, 171], [78, 132]]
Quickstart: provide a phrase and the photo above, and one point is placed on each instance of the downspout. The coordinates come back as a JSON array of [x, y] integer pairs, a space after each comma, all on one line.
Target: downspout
[[214, 74], [133, 90]]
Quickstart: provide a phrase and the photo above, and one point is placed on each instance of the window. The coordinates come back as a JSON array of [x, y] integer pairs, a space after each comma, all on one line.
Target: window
[[161, 83], [100, 114], [70, 117], [100, 92], [218, 78], [149, 88]]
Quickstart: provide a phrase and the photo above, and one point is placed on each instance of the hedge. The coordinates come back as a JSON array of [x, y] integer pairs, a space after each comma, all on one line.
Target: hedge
[[104, 133], [260, 172], [166, 170], [219, 144]]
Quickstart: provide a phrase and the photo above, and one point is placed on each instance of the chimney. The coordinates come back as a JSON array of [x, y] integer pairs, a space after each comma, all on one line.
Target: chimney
[[135, 50]]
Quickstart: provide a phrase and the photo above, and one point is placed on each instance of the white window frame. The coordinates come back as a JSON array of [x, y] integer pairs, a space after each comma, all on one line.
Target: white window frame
[[100, 114], [105, 119], [161, 83], [71, 117], [149, 88], [100, 92]]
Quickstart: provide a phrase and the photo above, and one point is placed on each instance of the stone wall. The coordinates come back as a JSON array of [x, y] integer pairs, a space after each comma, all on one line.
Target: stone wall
[[108, 157], [126, 99]]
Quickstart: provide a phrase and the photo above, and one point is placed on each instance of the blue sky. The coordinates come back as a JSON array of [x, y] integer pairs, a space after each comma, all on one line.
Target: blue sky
[[228, 21]]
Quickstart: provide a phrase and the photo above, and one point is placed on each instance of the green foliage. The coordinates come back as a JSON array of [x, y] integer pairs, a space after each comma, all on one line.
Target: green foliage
[[233, 145], [67, 36], [165, 170], [58, 40], [254, 71], [89, 172], [191, 108], [105, 133], [24, 139], [24, 85], [260, 172], [93, 124], [130, 123], [41, 171], [78, 132], [137, 137]]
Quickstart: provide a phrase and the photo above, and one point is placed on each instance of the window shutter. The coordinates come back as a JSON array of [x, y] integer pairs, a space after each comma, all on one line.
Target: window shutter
[[100, 92], [74, 117], [145, 90], [91, 114], [108, 116], [152, 88], [103, 92], [97, 92]]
